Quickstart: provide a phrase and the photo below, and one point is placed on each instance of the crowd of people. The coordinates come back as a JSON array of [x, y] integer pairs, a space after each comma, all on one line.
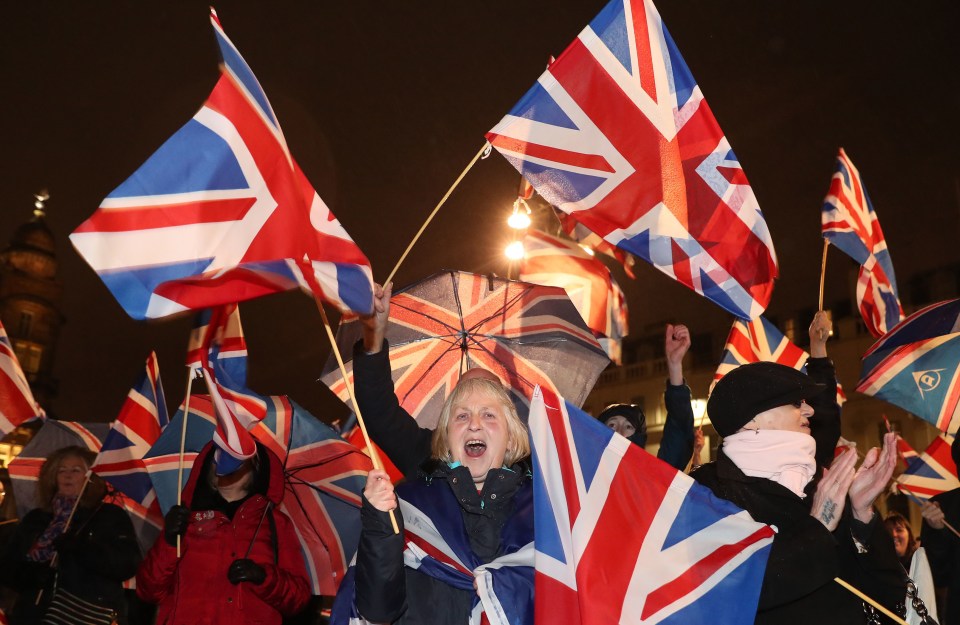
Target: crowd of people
[[227, 555]]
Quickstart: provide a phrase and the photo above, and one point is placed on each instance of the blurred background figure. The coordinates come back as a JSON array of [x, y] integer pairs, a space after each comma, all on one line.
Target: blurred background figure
[[943, 545], [914, 561]]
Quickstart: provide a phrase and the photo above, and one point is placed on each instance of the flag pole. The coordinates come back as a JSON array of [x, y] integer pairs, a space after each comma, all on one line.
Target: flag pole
[[183, 443], [484, 150], [888, 613], [374, 456], [823, 269]]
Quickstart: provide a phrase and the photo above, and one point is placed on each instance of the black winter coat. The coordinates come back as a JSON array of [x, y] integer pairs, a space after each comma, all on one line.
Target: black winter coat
[[104, 554], [798, 585], [943, 551]]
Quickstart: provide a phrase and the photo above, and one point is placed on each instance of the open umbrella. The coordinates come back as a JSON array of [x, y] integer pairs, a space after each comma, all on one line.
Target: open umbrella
[[323, 479], [445, 324], [52, 435], [917, 365]]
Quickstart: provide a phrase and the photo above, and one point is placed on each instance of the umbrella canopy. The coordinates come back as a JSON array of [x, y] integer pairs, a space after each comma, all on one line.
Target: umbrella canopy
[[452, 321], [52, 435], [323, 479], [917, 365]]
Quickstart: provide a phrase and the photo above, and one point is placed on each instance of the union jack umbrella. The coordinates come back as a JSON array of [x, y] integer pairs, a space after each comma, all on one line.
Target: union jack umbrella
[[931, 473], [52, 435], [324, 476], [916, 365], [452, 321]]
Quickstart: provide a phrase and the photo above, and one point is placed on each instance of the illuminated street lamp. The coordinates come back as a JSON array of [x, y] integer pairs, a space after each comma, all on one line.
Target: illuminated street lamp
[[519, 219], [515, 251]]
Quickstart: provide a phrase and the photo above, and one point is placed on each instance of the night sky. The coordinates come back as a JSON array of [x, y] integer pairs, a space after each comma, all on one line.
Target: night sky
[[383, 104]]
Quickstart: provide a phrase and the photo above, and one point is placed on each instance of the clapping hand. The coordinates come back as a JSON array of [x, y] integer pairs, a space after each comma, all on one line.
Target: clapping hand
[[831, 494]]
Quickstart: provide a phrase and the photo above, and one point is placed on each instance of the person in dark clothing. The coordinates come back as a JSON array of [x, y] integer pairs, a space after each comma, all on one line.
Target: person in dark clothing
[[88, 559], [943, 545], [767, 466], [476, 490], [628, 420]]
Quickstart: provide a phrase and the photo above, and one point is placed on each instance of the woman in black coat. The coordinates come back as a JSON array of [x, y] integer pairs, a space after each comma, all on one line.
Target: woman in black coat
[[87, 560]]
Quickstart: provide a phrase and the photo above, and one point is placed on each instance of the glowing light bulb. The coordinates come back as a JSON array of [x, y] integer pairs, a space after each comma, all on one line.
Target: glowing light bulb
[[515, 250], [519, 220]]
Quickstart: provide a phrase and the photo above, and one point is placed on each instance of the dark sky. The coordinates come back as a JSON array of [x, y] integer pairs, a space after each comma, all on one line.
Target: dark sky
[[383, 103]]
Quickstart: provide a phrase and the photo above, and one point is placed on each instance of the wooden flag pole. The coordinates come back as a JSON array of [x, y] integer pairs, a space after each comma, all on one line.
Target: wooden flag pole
[[888, 613], [374, 456], [823, 270], [183, 443], [484, 150]]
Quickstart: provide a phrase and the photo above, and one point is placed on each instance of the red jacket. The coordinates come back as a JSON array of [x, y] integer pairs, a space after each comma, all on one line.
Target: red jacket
[[194, 590]]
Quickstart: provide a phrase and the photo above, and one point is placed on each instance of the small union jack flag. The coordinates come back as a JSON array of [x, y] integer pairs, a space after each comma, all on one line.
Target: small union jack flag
[[584, 236], [222, 213], [622, 537], [932, 472], [761, 341], [551, 261], [850, 223], [617, 133], [16, 399]]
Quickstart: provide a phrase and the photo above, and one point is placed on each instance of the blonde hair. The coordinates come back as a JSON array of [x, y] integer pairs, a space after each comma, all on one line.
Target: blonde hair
[[47, 480], [518, 441]]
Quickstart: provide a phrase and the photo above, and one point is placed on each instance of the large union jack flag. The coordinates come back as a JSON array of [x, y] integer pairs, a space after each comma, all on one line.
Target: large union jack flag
[[761, 341], [552, 261], [932, 472], [850, 223], [218, 349], [136, 429], [622, 537], [617, 133], [16, 399], [583, 235], [221, 213]]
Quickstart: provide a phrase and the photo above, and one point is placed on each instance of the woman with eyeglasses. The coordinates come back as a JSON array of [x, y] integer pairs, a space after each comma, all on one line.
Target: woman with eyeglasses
[[62, 565]]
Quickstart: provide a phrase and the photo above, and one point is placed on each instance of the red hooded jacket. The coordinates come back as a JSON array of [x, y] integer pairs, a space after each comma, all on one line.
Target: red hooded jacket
[[194, 590]]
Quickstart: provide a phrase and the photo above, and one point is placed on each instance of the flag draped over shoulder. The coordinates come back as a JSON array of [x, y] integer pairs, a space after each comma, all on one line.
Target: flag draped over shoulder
[[622, 537], [221, 213], [850, 223], [555, 262], [932, 472], [218, 349], [16, 399], [761, 341], [617, 134]]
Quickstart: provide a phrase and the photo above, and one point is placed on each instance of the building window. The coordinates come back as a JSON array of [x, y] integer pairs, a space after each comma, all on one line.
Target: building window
[[26, 324], [29, 355]]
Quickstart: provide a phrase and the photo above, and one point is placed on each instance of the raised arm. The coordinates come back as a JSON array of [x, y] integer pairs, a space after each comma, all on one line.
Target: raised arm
[[676, 446]]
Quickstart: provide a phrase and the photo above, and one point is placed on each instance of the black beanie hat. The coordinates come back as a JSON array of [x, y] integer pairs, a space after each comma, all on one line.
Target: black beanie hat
[[631, 412], [753, 388]]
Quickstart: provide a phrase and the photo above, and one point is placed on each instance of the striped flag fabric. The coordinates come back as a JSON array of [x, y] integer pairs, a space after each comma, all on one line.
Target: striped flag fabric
[[849, 222], [218, 349], [622, 537], [932, 472], [617, 133], [584, 236], [222, 213], [761, 341], [552, 261], [17, 404]]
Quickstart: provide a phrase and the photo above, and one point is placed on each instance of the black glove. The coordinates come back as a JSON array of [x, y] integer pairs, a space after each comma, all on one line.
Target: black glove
[[246, 570], [175, 523]]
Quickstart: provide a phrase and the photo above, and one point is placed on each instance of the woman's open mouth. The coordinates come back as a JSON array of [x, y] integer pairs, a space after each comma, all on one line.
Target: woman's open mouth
[[475, 448]]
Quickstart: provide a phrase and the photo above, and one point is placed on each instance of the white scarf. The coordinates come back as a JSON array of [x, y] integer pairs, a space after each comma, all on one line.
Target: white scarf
[[787, 458]]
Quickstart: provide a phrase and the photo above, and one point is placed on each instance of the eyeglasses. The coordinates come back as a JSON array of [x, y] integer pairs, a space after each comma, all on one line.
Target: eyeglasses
[[798, 403]]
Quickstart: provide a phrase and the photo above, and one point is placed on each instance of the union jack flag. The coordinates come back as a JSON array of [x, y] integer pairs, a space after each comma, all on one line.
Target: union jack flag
[[120, 461], [583, 235], [218, 349], [221, 213], [551, 261], [16, 399], [850, 223], [622, 537], [761, 341], [617, 133], [932, 472]]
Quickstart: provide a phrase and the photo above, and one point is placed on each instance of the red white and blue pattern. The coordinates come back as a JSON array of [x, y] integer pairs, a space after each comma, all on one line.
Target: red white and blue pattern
[[16, 399], [218, 349], [622, 537], [617, 133], [761, 341], [136, 429], [850, 223], [221, 213], [931, 473], [551, 261], [584, 236], [917, 366]]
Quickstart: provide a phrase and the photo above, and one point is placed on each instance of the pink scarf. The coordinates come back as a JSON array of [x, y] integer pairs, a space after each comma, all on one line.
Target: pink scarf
[[787, 458]]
